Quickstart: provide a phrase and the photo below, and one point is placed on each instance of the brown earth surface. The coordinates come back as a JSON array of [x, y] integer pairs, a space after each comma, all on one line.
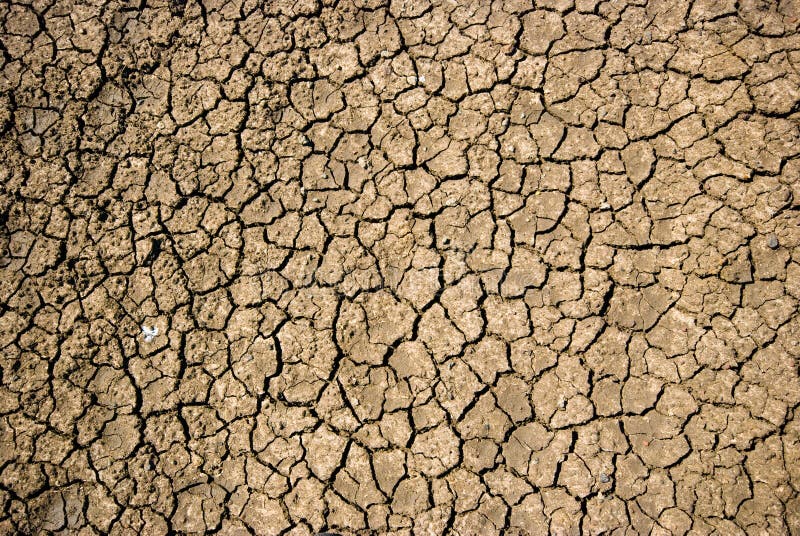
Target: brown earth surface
[[519, 267]]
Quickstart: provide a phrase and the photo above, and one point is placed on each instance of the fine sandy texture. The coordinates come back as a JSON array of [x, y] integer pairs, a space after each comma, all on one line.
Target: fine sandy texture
[[519, 267]]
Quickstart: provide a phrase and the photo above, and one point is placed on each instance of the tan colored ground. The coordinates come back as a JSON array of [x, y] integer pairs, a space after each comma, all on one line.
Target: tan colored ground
[[414, 267]]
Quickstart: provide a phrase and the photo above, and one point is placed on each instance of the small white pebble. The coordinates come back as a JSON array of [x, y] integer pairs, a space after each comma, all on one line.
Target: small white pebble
[[149, 333], [412, 80], [355, 402], [562, 403], [605, 206], [422, 79]]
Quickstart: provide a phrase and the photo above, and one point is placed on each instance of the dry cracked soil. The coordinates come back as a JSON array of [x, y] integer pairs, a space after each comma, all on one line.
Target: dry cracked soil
[[409, 267]]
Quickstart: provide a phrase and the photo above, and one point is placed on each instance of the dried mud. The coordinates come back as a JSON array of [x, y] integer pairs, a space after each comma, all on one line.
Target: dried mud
[[406, 267]]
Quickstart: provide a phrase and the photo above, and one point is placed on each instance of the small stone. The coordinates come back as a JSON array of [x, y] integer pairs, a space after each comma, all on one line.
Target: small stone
[[149, 333], [772, 241], [604, 478], [562, 403], [421, 79]]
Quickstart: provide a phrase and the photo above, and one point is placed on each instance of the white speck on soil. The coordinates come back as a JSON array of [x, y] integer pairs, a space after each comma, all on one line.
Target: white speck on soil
[[149, 333]]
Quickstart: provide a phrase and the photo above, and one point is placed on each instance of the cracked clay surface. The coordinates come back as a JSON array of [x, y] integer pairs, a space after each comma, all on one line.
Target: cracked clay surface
[[408, 267]]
